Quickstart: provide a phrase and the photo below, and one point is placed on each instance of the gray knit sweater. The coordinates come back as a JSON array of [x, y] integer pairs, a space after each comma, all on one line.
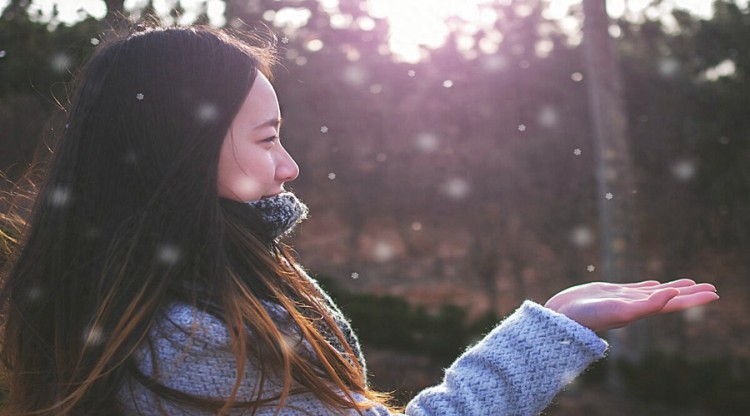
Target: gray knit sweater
[[517, 369]]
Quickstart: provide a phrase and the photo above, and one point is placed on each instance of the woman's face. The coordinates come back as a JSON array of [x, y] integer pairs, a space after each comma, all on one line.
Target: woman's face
[[253, 164]]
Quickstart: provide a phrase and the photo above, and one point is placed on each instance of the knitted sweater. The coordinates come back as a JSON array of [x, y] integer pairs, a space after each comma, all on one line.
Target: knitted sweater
[[517, 369]]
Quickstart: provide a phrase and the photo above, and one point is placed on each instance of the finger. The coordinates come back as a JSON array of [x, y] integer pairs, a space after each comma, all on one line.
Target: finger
[[679, 283], [701, 287], [653, 304], [684, 290], [679, 303]]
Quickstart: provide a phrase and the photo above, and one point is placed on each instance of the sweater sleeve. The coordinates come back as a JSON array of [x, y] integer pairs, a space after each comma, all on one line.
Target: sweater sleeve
[[517, 369]]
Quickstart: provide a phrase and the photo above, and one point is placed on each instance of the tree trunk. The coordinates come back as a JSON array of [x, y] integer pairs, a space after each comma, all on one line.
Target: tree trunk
[[616, 185], [115, 13]]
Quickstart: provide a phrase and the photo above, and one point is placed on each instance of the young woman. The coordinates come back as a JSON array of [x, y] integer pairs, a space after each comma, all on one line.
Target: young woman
[[150, 278]]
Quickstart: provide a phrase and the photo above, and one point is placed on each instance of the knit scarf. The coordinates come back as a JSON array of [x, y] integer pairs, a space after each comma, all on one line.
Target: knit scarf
[[280, 213]]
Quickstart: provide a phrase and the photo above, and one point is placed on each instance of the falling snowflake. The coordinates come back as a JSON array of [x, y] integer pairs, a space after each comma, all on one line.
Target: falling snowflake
[[2, 54], [168, 254], [577, 151], [427, 142], [59, 196], [576, 76], [376, 88], [447, 83], [411, 72], [695, 314], [61, 62], [284, 40], [582, 236], [416, 226], [609, 195], [684, 170], [521, 127], [34, 293], [355, 75], [93, 336], [207, 112], [130, 157], [355, 275], [668, 67], [139, 96], [548, 116], [324, 129], [590, 268], [457, 188], [331, 176], [94, 41], [383, 251]]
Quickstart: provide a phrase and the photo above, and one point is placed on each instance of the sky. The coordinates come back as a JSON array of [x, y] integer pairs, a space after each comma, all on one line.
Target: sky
[[406, 34]]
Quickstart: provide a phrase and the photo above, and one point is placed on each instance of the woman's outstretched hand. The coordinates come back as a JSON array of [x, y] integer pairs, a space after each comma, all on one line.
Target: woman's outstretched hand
[[601, 306]]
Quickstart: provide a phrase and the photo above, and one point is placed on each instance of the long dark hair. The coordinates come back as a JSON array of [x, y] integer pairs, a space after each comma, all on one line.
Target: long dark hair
[[129, 219]]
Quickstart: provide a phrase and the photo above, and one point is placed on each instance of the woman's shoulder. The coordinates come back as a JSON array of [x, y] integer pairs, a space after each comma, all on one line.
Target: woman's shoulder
[[184, 324]]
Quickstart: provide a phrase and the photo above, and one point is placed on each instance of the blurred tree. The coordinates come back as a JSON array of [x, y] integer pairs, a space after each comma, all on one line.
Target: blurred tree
[[616, 186]]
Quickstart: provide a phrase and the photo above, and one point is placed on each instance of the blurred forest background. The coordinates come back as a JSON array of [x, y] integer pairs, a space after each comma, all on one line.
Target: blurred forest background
[[462, 157]]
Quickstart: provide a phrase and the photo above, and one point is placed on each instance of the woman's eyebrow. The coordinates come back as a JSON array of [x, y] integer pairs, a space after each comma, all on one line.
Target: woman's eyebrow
[[274, 122]]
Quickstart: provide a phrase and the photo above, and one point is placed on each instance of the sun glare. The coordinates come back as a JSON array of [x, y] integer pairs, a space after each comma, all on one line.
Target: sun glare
[[418, 24]]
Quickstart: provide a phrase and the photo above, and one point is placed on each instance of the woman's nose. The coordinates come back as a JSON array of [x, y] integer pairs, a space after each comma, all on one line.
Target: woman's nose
[[286, 168]]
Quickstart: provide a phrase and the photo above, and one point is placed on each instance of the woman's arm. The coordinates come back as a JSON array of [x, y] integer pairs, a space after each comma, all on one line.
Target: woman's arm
[[517, 369]]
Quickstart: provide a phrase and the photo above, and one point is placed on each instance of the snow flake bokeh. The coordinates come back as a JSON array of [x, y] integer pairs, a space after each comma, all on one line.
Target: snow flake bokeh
[[577, 151], [59, 196], [354, 75], [355, 275], [61, 62], [168, 254], [93, 336], [324, 129], [684, 170], [331, 176], [206, 112], [426, 142], [582, 236], [383, 251], [456, 188], [609, 195], [139, 96], [590, 268]]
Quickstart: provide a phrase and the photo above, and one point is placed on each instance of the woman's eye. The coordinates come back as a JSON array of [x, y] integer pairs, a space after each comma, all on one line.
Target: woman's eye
[[271, 139]]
